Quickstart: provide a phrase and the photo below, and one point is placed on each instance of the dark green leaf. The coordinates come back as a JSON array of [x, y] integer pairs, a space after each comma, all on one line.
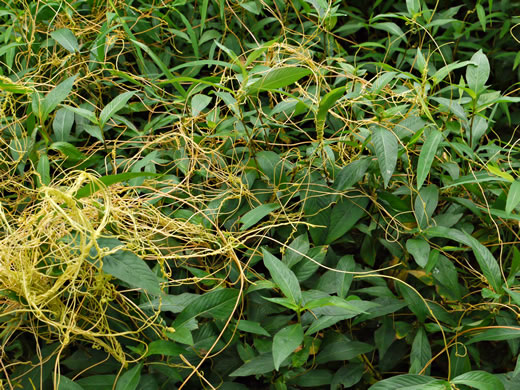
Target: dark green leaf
[[129, 268], [385, 145], [56, 96], [485, 259], [113, 107], [130, 379], [296, 250], [344, 350], [419, 249], [253, 216], [480, 380], [261, 364], [285, 342], [344, 216], [513, 196], [217, 304], [427, 155], [164, 347], [284, 278], [421, 352], [68, 384]]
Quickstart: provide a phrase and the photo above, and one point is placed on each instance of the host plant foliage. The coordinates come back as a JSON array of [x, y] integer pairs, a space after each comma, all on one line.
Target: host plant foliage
[[259, 194]]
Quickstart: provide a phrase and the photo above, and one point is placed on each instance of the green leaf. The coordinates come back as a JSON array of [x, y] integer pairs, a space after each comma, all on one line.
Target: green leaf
[[410, 382], [326, 103], [278, 78], [270, 164], [285, 342], [421, 352], [284, 278], [413, 7], [56, 96], [97, 382], [351, 174], [69, 150], [95, 132], [113, 107], [252, 327], [416, 305], [128, 267], [253, 216], [108, 180], [333, 301], [485, 259], [391, 28], [130, 379], [344, 216], [513, 196], [445, 70], [83, 113], [477, 73], [296, 250], [496, 334], [198, 103], [66, 38], [419, 249], [315, 378], [217, 303], [427, 155], [385, 145], [43, 169], [62, 124], [481, 16], [8, 85], [164, 347], [344, 350], [344, 280], [68, 384], [480, 380], [425, 205], [261, 364]]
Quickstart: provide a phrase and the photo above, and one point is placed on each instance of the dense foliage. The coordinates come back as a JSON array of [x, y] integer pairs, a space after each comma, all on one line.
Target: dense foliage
[[259, 194]]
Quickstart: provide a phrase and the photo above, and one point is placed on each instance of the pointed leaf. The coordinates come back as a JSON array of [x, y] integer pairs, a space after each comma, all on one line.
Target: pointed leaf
[[128, 267], [253, 216], [385, 145], [344, 350], [421, 352], [419, 249], [344, 216], [284, 278], [217, 303], [410, 382], [285, 342], [130, 379], [480, 380], [113, 107], [68, 384], [278, 78], [261, 364], [427, 155], [164, 347], [478, 74], [485, 259], [66, 38], [56, 96], [198, 103], [62, 124], [513, 197]]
